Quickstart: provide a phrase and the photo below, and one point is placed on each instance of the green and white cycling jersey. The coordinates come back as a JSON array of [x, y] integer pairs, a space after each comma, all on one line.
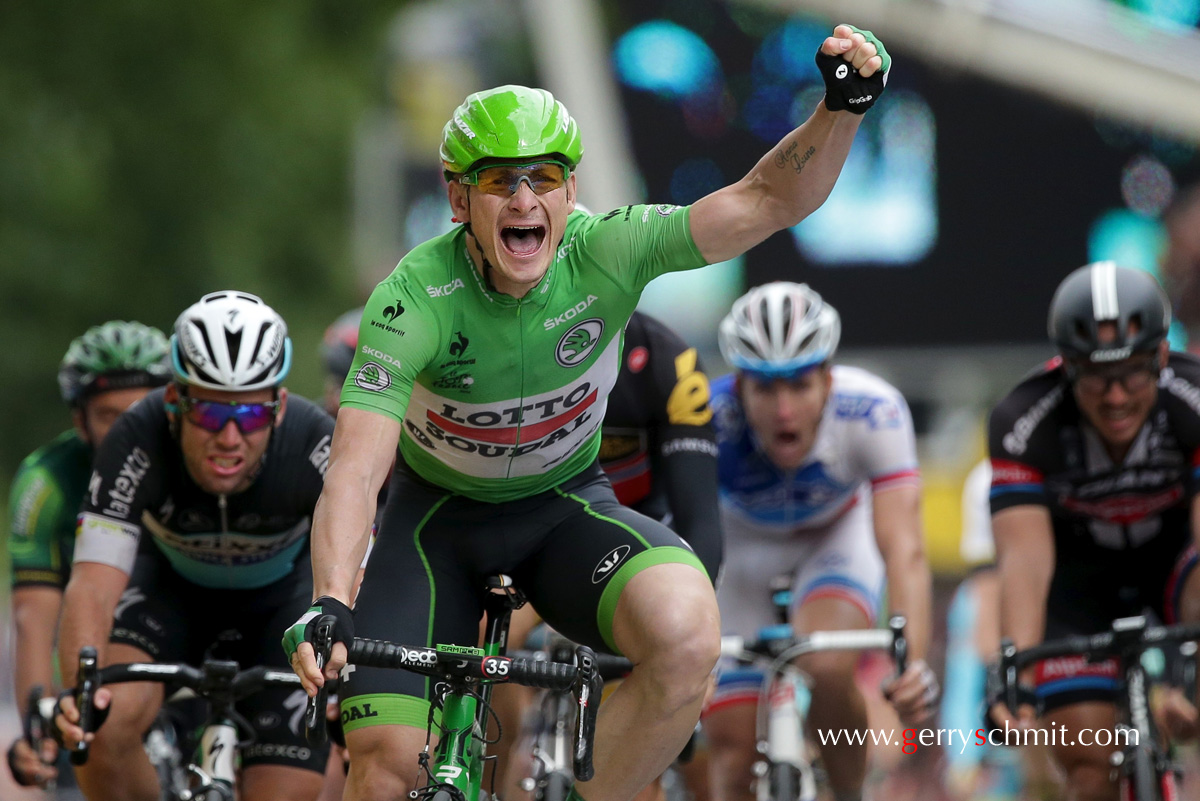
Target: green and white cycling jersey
[[43, 509], [501, 398]]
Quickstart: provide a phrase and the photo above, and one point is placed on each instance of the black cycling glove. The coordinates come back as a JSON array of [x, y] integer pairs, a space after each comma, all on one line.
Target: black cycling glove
[[303, 629], [845, 89]]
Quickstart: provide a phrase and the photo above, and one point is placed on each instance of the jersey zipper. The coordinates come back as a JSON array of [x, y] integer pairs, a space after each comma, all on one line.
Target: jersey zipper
[[223, 505], [521, 402]]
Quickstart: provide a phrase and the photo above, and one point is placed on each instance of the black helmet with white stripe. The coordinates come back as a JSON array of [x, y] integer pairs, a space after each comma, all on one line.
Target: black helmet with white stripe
[[779, 330], [231, 341], [1103, 292]]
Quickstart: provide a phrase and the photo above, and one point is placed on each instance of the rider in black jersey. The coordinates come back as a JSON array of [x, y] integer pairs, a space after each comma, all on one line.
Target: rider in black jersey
[[658, 448], [1095, 463], [195, 528]]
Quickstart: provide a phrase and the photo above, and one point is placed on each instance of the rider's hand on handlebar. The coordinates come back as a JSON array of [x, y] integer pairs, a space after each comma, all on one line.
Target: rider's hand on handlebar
[[1176, 716], [29, 767], [913, 694], [298, 639], [65, 726]]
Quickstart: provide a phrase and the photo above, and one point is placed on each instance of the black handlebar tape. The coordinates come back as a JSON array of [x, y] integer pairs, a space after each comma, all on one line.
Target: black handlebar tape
[[542, 675], [899, 643], [33, 728], [1008, 674], [87, 682], [314, 714], [588, 688]]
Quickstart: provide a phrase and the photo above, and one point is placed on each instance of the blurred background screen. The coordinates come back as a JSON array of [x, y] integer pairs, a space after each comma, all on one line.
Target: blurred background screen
[[962, 205]]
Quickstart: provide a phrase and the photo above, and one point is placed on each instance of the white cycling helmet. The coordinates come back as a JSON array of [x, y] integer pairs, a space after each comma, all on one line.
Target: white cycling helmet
[[231, 341], [779, 330]]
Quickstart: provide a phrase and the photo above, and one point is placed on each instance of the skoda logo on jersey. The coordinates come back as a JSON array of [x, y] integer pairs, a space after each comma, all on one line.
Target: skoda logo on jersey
[[608, 564], [579, 341], [372, 377]]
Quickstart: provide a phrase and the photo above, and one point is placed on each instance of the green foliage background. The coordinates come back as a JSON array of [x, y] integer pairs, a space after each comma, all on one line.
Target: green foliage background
[[152, 152]]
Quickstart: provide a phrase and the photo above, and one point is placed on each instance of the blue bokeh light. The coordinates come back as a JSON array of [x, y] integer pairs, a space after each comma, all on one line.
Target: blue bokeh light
[[695, 178], [786, 56], [666, 59]]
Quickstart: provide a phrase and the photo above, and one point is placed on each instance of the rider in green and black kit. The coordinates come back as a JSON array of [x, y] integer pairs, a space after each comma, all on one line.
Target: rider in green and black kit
[[498, 439], [105, 371]]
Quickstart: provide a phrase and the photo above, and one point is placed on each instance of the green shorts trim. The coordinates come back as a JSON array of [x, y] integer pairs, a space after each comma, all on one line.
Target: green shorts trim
[[664, 555], [380, 709]]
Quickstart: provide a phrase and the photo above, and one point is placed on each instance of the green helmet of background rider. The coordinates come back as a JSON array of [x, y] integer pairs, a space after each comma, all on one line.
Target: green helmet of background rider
[[115, 355], [509, 122]]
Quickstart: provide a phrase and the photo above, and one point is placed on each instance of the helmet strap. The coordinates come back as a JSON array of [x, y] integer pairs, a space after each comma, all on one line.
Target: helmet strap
[[487, 265]]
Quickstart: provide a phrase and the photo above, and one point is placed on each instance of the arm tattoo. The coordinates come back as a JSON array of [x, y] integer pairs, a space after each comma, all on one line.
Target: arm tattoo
[[784, 158]]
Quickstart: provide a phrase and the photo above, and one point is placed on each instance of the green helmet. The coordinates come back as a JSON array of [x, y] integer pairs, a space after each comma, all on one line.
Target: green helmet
[[115, 355], [509, 122]]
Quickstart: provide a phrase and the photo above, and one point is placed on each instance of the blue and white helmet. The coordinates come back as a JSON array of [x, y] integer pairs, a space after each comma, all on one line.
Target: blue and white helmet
[[779, 330], [231, 341]]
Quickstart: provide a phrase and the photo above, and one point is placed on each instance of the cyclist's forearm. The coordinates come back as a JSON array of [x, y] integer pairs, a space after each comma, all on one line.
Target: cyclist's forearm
[[88, 604], [1025, 557], [910, 591], [341, 530], [35, 622], [898, 533], [788, 183]]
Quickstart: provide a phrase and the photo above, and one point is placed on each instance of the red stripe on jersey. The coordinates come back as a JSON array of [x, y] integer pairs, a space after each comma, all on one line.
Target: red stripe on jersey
[[1006, 472]]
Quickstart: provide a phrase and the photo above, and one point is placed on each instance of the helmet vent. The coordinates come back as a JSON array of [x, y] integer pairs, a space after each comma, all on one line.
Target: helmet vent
[[233, 341]]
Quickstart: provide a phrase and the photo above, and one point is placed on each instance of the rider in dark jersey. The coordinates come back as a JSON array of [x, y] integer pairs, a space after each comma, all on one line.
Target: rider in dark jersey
[[105, 371], [1094, 477], [657, 442], [195, 529]]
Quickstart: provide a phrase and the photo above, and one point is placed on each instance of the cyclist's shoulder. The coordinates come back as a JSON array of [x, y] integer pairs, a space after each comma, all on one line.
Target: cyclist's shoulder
[[585, 230], [304, 424], [426, 269], [861, 398], [856, 381], [57, 468], [65, 454], [1181, 382], [1043, 389]]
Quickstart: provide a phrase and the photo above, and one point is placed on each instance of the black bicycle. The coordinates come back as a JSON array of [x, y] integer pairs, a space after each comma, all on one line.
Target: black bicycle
[[212, 771], [462, 691], [1142, 765]]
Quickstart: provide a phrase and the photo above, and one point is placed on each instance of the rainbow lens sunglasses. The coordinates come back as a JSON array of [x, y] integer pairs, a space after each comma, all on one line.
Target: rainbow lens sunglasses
[[505, 179], [213, 415]]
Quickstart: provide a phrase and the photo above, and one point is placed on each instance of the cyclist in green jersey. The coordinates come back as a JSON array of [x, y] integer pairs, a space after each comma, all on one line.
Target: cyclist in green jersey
[[104, 372], [487, 356]]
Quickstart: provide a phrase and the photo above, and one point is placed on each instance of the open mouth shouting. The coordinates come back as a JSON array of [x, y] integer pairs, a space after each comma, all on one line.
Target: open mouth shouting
[[523, 241]]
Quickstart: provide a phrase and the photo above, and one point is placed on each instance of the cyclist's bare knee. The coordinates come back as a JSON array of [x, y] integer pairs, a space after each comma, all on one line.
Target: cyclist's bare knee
[[383, 762], [667, 623], [832, 672], [279, 783], [1090, 782]]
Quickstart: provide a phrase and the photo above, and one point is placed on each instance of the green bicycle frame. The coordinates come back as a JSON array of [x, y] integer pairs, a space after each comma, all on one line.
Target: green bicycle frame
[[458, 759]]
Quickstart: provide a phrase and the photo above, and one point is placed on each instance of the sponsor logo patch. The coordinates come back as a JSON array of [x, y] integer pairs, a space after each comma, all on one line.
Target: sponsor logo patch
[[579, 342], [609, 563], [372, 377]]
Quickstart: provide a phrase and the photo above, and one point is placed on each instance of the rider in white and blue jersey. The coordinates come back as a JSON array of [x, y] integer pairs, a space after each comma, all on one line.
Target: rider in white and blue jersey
[[819, 482]]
